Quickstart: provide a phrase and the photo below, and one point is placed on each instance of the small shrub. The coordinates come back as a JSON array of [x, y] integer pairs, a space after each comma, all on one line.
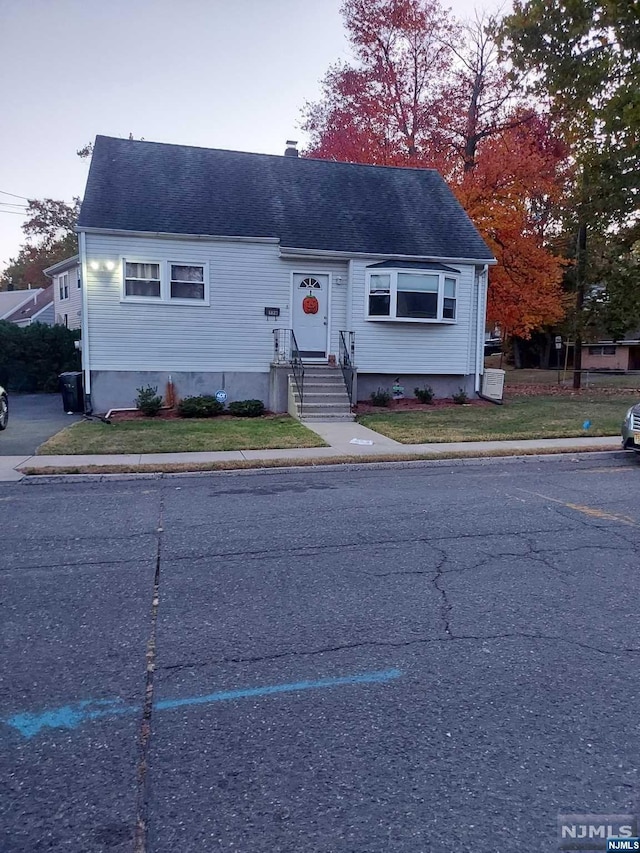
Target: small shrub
[[424, 395], [148, 401], [461, 397], [204, 406], [381, 397], [246, 408]]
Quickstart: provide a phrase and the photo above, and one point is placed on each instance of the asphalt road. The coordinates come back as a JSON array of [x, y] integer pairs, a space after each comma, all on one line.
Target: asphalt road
[[33, 418], [430, 658]]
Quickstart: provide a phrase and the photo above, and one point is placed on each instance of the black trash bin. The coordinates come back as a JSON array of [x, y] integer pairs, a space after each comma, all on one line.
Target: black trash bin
[[72, 391]]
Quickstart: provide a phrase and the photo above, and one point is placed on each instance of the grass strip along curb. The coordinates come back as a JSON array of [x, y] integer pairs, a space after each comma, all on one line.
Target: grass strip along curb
[[236, 465]]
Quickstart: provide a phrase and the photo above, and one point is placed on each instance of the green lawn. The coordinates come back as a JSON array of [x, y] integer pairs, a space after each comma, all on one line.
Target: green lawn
[[534, 376], [177, 436], [518, 418]]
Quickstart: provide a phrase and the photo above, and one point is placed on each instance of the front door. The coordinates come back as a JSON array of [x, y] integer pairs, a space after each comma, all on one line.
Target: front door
[[310, 314]]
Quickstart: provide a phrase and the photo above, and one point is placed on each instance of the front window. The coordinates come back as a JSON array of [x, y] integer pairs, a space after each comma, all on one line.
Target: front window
[[412, 295], [417, 296], [176, 282], [379, 295], [187, 281], [142, 279]]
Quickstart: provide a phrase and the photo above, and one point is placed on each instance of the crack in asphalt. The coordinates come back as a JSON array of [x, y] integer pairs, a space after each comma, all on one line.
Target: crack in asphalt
[[309, 550], [396, 644], [142, 797]]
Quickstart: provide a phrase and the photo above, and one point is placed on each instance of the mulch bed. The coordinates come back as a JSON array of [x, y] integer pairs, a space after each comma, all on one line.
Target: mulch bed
[[410, 404]]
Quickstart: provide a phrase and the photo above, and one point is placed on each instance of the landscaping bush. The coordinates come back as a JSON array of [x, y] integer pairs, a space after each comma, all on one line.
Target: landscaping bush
[[148, 401], [204, 406], [381, 397], [424, 395], [32, 357], [461, 397], [246, 408]]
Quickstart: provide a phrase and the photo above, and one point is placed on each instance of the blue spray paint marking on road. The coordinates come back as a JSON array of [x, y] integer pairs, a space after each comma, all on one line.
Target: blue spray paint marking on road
[[72, 716]]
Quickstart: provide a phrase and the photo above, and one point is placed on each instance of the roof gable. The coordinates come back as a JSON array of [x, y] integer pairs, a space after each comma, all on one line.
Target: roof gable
[[304, 203], [30, 308], [11, 300]]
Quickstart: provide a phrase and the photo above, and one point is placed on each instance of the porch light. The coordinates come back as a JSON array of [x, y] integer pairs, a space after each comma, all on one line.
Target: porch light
[[94, 265], [110, 266]]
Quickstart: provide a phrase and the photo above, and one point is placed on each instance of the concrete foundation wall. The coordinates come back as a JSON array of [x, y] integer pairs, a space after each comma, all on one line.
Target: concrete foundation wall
[[114, 389], [443, 386]]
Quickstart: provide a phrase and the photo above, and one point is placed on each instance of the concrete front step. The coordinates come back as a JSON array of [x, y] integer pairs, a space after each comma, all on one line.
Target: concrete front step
[[319, 408], [333, 418], [322, 380], [323, 397]]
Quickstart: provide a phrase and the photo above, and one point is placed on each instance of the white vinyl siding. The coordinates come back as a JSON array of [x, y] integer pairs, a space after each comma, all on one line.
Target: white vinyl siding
[[231, 333], [398, 346]]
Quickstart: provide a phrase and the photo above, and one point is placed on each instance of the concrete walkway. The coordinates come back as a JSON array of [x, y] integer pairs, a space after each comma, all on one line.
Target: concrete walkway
[[345, 439]]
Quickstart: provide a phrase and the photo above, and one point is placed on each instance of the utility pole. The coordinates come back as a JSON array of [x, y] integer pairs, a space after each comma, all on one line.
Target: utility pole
[[581, 265]]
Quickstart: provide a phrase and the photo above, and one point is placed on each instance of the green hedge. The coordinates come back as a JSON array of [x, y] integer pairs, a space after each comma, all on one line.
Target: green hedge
[[204, 406], [32, 357]]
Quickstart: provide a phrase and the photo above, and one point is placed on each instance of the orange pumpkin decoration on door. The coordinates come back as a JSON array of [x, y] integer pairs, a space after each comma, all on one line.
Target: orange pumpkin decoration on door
[[310, 304]]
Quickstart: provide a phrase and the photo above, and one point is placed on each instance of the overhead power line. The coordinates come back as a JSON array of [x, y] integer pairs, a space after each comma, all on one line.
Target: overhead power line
[[13, 195]]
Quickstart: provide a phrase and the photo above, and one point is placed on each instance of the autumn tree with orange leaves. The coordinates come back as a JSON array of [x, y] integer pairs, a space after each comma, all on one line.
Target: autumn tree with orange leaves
[[428, 92]]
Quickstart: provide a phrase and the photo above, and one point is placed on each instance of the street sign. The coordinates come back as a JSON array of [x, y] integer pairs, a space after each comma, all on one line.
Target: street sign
[[558, 341]]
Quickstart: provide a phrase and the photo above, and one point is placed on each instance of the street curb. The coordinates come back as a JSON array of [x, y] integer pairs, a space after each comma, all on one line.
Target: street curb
[[578, 455]]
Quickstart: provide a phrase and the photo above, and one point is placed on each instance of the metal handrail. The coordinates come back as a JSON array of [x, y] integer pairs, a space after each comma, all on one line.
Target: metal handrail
[[297, 367], [286, 351], [346, 360]]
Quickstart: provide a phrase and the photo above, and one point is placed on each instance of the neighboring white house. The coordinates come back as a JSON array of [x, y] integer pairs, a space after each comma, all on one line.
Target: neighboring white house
[[24, 307], [219, 267], [67, 292]]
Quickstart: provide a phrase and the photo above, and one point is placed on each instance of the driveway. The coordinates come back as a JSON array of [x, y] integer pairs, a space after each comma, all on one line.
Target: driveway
[[33, 418]]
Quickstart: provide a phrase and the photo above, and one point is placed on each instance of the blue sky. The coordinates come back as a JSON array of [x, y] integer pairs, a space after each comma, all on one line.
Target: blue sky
[[217, 73]]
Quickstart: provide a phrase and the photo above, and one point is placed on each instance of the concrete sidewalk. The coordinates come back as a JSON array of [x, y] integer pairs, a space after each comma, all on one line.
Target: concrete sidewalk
[[339, 436]]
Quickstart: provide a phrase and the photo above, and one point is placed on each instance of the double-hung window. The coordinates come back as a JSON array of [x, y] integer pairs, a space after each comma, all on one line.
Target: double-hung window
[[165, 282], [142, 279], [63, 285], [412, 295], [187, 281]]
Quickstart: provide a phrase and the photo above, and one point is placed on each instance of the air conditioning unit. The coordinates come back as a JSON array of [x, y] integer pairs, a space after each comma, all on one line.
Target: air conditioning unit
[[493, 383]]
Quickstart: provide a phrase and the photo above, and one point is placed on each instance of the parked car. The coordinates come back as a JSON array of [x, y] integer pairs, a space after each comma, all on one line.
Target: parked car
[[4, 408], [492, 346], [631, 429]]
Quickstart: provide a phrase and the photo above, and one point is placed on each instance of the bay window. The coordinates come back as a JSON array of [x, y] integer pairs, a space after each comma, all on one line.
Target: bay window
[[427, 295]]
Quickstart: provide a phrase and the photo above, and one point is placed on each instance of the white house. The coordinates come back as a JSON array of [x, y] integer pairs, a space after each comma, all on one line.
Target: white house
[[257, 274], [67, 292]]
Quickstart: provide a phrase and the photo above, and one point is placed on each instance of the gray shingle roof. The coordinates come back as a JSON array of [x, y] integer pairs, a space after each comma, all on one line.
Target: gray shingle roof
[[306, 204]]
